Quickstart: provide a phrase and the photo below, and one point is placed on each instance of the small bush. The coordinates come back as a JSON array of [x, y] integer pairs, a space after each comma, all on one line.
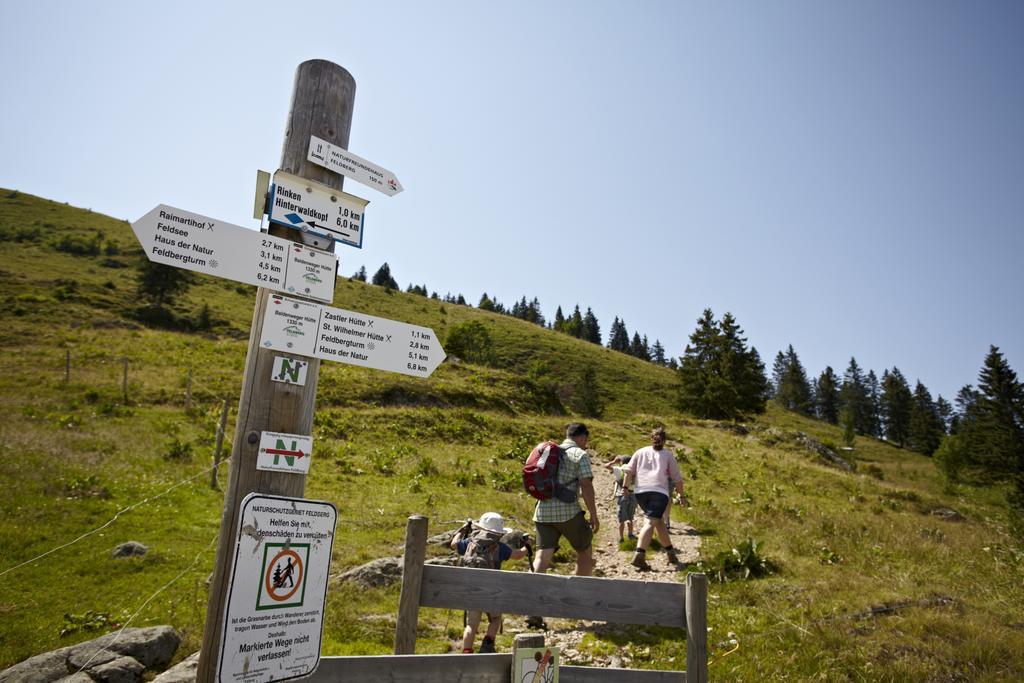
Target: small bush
[[506, 481], [178, 450], [471, 342], [744, 561]]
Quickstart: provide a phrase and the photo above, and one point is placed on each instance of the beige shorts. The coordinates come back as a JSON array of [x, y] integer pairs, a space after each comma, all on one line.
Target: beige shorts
[[473, 618]]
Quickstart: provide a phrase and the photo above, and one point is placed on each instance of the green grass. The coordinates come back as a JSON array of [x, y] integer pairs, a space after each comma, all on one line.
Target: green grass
[[387, 446]]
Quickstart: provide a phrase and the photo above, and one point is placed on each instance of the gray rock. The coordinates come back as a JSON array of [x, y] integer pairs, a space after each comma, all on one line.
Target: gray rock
[[49, 666], [80, 677], [444, 539], [130, 549], [948, 514], [120, 670], [380, 572], [182, 672], [153, 646]]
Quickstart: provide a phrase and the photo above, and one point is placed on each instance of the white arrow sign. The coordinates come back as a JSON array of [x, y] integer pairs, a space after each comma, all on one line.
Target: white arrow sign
[[309, 329], [340, 160], [198, 243], [311, 207]]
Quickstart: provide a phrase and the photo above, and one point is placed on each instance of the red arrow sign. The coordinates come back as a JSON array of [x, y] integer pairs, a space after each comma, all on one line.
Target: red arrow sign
[[281, 451]]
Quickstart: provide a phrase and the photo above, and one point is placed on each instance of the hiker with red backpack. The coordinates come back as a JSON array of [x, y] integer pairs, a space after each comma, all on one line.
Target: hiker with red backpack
[[479, 546], [558, 512]]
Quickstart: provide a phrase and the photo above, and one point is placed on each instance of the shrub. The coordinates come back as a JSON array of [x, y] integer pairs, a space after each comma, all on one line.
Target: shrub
[[178, 450], [744, 561], [471, 342]]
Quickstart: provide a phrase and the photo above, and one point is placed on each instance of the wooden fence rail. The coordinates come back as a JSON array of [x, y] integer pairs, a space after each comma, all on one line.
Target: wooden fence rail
[[573, 597]]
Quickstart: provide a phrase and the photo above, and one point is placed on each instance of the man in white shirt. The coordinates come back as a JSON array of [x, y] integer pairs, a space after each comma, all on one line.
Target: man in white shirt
[[650, 474]]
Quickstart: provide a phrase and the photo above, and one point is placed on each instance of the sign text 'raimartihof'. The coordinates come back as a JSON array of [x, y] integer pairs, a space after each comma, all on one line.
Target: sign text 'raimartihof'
[[311, 207], [309, 329], [188, 240]]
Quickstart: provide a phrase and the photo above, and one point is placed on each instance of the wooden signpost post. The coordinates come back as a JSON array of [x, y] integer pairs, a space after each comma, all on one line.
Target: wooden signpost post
[[273, 445], [322, 106]]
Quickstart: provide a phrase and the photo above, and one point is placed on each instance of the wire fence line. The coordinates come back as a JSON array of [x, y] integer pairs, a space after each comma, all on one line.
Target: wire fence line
[[128, 621], [202, 473]]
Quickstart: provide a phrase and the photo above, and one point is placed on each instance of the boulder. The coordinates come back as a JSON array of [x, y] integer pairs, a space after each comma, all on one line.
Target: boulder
[[380, 572], [130, 549], [182, 672], [150, 647], [119, 670]]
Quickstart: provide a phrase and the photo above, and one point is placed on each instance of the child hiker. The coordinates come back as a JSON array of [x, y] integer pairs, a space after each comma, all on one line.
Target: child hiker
[[625, 500], [479, 544]]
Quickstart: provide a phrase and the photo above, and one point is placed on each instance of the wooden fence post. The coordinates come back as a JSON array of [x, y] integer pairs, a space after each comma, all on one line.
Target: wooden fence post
[[412, 581], [696, 628], [220, 443], [322, 106], [67, 366], [124, 382], [188, 391]]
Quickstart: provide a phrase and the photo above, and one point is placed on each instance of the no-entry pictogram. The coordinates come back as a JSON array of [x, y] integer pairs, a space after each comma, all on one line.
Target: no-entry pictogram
[[284, 571]]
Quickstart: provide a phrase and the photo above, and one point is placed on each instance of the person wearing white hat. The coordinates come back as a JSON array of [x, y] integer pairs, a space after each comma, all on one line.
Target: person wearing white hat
[[479, 545]]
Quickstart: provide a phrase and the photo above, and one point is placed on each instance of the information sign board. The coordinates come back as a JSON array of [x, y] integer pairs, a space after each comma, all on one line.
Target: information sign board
[[310, 329], [311, 207], [340, 160], [188, 240], [273, 619]]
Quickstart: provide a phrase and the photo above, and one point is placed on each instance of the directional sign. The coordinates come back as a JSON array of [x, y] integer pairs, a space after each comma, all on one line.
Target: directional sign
[[273, 623], [284, 452], [310, 329], [180, 238], [311, 207], [340, 160]]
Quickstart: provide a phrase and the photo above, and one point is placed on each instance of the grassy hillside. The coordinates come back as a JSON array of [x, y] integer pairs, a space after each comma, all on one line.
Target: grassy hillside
[[867, 584]]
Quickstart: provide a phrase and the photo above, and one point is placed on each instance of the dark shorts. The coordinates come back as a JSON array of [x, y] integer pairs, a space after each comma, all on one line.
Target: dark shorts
[[627, 508], [652, 503], [576, 531]]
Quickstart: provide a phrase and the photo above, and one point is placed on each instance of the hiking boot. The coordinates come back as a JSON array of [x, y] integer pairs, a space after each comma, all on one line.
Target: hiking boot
[[487, 645], [671, 556], [632, 537], [640, 561], [536, 622]]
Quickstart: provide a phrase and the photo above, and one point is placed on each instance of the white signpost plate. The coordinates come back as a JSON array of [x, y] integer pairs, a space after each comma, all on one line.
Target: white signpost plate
[[310, 329], [311, 207], [290, 370], [340, 160], [284, 452], [273, 619], [188, 240]]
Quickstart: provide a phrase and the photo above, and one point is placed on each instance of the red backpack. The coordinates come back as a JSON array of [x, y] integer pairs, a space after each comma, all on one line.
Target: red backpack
[[540, 473]]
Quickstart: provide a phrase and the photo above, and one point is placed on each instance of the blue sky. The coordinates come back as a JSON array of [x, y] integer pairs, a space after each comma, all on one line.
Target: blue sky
[[844, 177]]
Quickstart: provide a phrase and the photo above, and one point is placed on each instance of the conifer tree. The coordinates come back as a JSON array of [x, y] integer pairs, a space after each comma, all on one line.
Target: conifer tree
[[793, 391], [618, 337], [559, 324], [924, 431], [896, 405], [992, 427], [719, 376], [873, 417], [383, 277], [854, 395], [826, 396], [591, 329], [658, 353], [778, 373], [461, 300], [945, 410], [360, 274], [636, 347], [533, 313], [574, 325], [486, 304], [161, 284]]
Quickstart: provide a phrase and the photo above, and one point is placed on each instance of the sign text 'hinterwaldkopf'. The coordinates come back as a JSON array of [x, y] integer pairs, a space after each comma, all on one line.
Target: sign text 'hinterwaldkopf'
[[311, 207]]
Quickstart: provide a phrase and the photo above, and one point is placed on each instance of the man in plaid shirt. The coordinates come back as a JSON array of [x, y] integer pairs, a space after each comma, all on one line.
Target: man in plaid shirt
[[555, 518]]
